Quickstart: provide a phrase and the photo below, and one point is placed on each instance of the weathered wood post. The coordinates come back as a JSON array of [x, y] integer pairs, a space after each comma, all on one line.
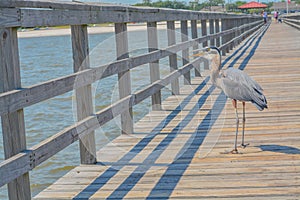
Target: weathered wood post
[[205, 43], [227, 37], [173, 57], [232, 35], [217, 27], [13, 126], [245, 22], [204, 31], [239, 31], [249, 20], [154, 66], [235, 34], [124, 77], [195, 35], [224, 38], [185, 52], [211, 31], [84, 101]]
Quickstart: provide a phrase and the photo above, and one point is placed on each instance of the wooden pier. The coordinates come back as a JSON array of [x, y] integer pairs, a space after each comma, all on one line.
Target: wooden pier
[[177, 150]]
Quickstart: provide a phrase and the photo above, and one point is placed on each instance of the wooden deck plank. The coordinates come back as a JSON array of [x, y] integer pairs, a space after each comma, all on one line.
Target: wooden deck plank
[[177, 152]]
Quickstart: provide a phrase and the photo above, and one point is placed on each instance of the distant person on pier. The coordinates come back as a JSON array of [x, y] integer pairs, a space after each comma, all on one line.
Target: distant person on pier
[[276, 16], [265, 15]]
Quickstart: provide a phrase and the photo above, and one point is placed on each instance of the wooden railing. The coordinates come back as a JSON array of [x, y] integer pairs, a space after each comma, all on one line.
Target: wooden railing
[[20, 159], [292, 20]]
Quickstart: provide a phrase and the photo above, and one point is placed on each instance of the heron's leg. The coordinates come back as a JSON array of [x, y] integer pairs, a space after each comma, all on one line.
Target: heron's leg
[[237, 126], [243, 132], [244, 120]]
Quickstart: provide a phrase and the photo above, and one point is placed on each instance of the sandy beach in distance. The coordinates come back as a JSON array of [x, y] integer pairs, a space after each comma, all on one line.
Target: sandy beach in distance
[[53, 31]]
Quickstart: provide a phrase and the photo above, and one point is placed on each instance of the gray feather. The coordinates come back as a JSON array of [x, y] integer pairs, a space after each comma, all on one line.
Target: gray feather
[[236, 84]]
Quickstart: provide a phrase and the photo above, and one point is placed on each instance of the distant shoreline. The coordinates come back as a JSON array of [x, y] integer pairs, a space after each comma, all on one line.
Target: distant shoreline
[[53, 31]]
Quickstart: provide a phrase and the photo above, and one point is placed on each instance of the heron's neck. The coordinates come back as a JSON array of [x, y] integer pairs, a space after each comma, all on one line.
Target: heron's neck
[[215, 72], [215, 79]]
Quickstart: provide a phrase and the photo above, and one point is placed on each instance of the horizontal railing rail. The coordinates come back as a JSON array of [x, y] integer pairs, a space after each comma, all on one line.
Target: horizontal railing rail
[[14, 98], [27, 96], [43, 13], [292, 20]]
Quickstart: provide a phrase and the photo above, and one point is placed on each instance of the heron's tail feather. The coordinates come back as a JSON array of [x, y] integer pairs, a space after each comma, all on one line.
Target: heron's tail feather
[[259, 100]]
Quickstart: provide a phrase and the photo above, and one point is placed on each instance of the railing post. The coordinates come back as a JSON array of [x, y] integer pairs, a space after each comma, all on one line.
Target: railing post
[[13, 125], [194, 36], [204, 44], [249, 20], [231, 35], [124, 77], [173, 57], [246, 28], [235, 34], [239, 31], [217, 25], [185, 52], [224, 38], [227, 21], [211, 31], [204, 31], [242, 22], [84, 101], [154, 66]]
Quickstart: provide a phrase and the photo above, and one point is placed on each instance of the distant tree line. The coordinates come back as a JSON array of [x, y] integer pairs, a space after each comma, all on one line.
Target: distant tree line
[[193, 5], [165, 4]]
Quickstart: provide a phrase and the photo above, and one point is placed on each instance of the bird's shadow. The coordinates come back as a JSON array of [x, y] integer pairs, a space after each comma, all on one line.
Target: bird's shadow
[[279, 149]]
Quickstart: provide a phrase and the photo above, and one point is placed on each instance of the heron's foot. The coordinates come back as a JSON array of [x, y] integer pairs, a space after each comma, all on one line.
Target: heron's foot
[[243, 145], [234, 151]]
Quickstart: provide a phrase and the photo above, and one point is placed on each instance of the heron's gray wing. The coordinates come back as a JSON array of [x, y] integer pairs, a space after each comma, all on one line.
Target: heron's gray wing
[[238, 85], [241, 77], [235, 90]]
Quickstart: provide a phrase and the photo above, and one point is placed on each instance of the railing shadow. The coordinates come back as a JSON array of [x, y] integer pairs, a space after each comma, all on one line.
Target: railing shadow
[[279, 149]]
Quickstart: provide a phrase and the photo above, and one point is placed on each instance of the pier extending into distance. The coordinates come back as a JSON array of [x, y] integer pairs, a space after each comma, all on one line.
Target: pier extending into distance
[[177, 150]]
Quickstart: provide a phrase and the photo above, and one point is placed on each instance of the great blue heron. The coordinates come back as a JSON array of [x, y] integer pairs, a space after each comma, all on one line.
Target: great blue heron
[[236, 85]]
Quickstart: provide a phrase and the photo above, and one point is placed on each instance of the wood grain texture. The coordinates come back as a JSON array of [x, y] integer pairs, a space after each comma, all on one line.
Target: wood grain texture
[[164, 158], [212, 31], [124, 80], [185, 52], [13, 125], [217, 30], [224, 26], [194, 34], [154, 66], [173, 57], [83, 95], [53, 13]]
